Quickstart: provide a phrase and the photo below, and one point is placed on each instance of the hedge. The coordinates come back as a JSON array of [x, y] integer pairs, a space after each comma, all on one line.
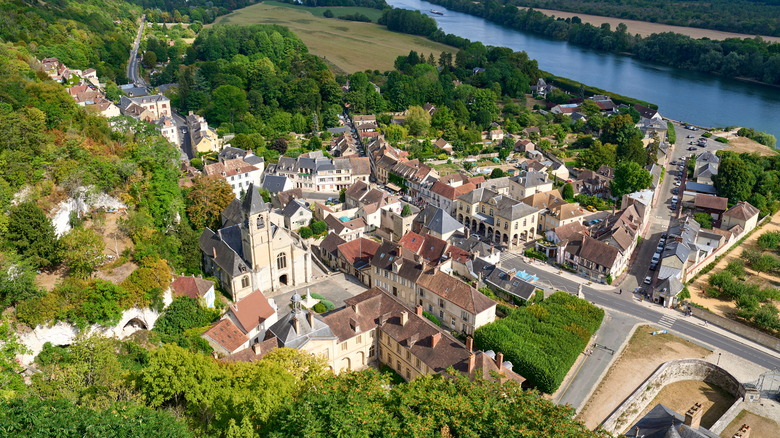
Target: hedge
[[543, 340]]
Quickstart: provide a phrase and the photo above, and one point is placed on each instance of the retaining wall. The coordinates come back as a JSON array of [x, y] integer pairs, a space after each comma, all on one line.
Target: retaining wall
[[743, 330], [669, 372]]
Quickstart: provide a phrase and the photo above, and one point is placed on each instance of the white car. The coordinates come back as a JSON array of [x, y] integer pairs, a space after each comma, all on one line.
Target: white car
[[648, 280], [656, 257], [674, 199]]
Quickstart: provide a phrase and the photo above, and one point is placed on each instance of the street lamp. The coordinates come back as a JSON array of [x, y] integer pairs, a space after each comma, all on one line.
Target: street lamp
[[718, 362]]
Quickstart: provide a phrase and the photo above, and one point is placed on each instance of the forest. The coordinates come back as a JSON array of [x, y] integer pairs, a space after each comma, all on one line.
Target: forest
[[743, 58], [753, 17]]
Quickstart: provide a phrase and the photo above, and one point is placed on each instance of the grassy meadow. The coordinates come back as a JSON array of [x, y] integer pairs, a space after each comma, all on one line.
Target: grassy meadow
[[348, 46]]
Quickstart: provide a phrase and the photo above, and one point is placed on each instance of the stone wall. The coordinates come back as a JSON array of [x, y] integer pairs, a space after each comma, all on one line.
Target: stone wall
[[669, 372], [743, 330]]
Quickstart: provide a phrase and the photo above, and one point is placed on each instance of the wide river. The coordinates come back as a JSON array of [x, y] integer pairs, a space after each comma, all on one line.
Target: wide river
[[697, 98]]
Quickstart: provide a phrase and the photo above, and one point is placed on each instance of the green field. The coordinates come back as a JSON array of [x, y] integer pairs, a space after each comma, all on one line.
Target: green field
[[348, 46], [338, 11]]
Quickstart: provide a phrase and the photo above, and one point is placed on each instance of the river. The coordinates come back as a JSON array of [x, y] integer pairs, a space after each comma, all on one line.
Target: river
[[697, 98]]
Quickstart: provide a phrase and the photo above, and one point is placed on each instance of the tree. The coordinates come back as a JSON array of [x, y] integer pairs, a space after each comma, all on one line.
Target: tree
[[31, 233], [83, 251], [394, 133], [590, 108], [568, 192], [227, 102], [183, 314], [704, 219], [318, 227], [598, 154], [328, 13], [629, 177], [734, 180], [632, 150], [209, 196], [343, 195], [150, 59], [769, 240], [10, 370], [17, 282], [406, 211], [279, 145], [305, 232], [417, 120], [496, 173]]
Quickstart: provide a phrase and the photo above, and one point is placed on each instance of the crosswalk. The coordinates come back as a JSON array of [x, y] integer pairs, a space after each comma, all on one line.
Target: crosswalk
[[667, 321]]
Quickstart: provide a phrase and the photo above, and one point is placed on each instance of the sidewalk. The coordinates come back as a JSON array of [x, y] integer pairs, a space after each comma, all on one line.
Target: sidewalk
[[565, 274]]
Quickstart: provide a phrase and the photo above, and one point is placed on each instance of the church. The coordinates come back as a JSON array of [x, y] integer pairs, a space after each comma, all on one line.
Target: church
[[252, 253]]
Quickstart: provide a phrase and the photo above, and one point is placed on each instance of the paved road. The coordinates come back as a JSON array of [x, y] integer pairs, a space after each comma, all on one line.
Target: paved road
[[132, 63]]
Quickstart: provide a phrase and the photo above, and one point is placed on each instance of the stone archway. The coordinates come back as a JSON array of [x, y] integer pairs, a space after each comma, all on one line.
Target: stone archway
[[283, 280], [346, 364], [361, 358], [136, 324]]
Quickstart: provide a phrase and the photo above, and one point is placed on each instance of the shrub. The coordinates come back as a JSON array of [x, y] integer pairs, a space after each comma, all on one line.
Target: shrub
[[769, 240], [530, 252], [722, 140], [543, 340], [318, 227], [320, 308], [432, 317], [706, 134], [325, 302], [305, 232]]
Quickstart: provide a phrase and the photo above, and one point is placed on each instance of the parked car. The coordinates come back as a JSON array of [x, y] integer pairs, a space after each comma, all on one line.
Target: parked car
[[691, 148], [674, 199], [591, 208], [656, 258], [653, 266], [648, 280], [690, 136], [674, 162]]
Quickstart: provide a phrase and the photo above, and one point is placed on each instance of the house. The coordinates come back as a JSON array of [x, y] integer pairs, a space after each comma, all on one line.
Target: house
[[236, 172], [315, 172], [648, 113], [285, 197], [524, 145], [541, 88], [277, 184], [354, 258], [444, 145], [347, 229], [396, 270], [430, 249], [232, 153], [742, 214], [499, 217], [327, 250], [244, 324], [532, 130], [168, 129], [560, 214], [517, 285], [396, 220], [297, 214], [595, 183], [202, 138], [560, 237], [528, 183], [443, 195], [707, 157], [705, 173], [715, 206], [457, 305], [663, 422], [591, 258], [495, 135], [155, 106], [566, 109], [251, 253], [605, 103], [436, 222], [195, 288]]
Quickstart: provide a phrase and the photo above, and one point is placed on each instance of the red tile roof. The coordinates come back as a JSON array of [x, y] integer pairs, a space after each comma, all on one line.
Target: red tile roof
[[361, 249], [226, 334], [252, 310], [191, 286], [455, 291], [411, 241]]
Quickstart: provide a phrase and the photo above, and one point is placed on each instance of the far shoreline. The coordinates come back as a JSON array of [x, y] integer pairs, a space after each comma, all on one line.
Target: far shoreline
[[645, 28]]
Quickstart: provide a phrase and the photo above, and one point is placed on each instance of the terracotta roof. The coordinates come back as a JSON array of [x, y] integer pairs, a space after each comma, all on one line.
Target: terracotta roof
[[226, 334], [477, 180], [358, 250], [412, 241], [331, 242], [252, 310], [288, 195], [254, 352], [457, 254], [432, 249], [455, 291], [191, 286], [229, 167], [742, 211], [710, 202], [566, 232], [598, 252]]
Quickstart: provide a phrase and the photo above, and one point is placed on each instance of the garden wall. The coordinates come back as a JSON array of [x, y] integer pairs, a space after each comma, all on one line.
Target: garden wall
[[743, 330], [669, 372]]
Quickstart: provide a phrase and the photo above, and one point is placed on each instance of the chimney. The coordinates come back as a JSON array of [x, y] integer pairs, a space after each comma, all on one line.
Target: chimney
[[500, 361], [418, 310], [353, 324], [435, 338], [743, 432], [355, 309], [404, 317], [214, 251], [472, 361], [466, 232], [470, 344], [383, 318], [310, 318], [693, 416], [296, 324], [256, 348]]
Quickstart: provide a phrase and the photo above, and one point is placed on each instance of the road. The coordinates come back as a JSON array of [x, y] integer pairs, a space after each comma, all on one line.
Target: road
[[132, 63]]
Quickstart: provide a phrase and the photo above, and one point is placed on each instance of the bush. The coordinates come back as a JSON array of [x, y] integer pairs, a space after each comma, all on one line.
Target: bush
[[704, 219], [432, 317], [530, 252], [671, 134], [325, 302], [769, 240], [305, 232], [320, 308], [543, 340], [706, 134], [318, 227], [722, 140], [328, 13]]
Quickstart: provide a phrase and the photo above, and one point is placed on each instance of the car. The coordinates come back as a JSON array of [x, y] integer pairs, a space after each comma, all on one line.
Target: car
[[648, 280], [673, 163], [587, 223], [591, 208], [674, 199], [690, 136], [677, 183], [691, 148], [653, 266], [656, 258]]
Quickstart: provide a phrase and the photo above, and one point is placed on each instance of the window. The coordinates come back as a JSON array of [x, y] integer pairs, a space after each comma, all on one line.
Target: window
[[491, 212], [408, 374], [524, 221], [430, 308], [408, 355], [281, 261], [441, 302], [245, 282], [441, 314], [371, 351], [418, 362], [464, 315], [483, 209], [397, 348], [422, 293], [398, 364], [344, 346], [515, 225], [452, 322], [359, 339]]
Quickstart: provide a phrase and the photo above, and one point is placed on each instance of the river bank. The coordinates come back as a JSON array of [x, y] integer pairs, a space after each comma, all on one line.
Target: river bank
[[645, 28]]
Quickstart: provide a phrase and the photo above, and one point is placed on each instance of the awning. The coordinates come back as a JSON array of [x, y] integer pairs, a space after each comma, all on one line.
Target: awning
[[393, 187]]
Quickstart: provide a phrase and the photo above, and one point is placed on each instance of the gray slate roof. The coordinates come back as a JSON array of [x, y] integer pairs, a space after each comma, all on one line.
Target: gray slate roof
[[274, 183], [253, 201], [287, 336], [662, 422], [438, 220], [510, 284]]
